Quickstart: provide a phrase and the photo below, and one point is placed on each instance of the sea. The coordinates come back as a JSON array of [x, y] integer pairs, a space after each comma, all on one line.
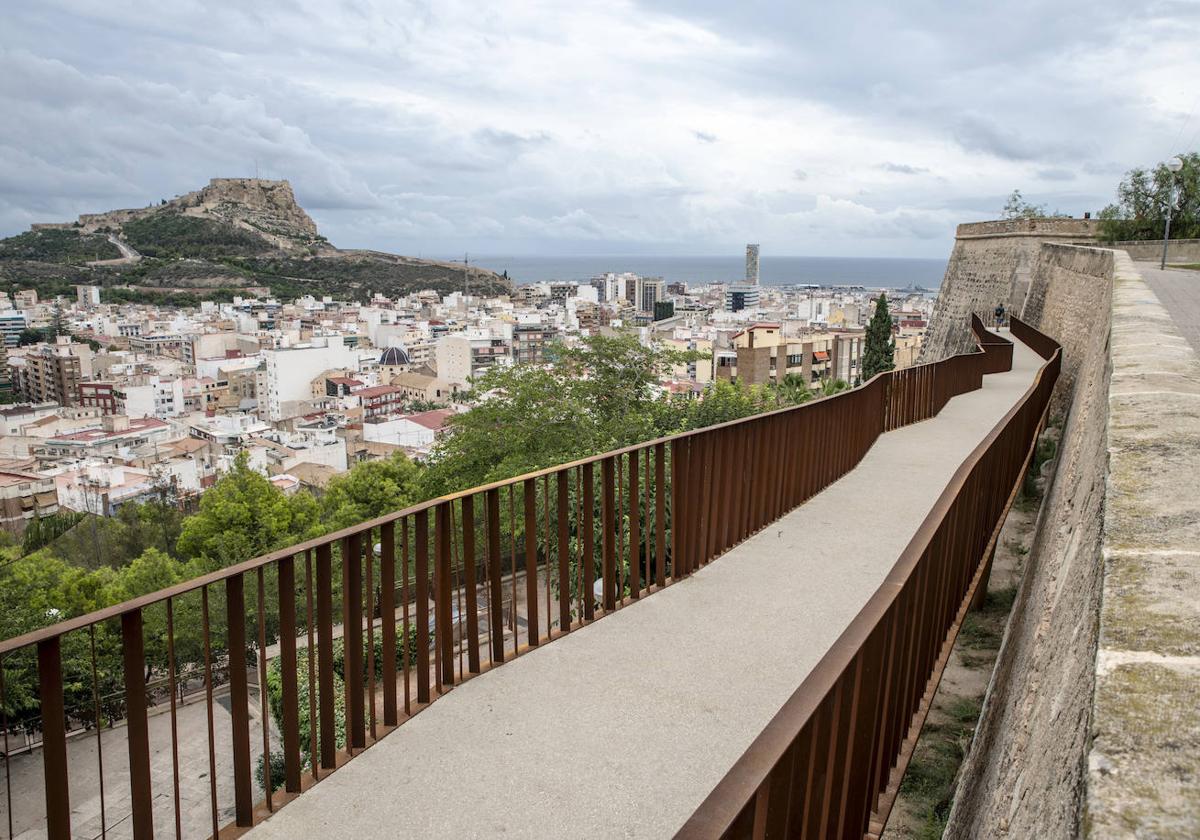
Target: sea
[[871, 272]]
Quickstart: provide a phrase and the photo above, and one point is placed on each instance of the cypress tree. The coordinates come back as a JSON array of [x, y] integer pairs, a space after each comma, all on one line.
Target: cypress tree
[[879, 353], [58, 322]]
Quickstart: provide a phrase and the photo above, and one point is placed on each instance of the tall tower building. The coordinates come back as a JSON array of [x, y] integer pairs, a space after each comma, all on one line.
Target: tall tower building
[[752, 265]]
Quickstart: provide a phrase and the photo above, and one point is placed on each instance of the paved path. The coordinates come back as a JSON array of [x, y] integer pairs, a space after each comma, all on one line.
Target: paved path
[[1179, 291], [622, 729], [28, 786]]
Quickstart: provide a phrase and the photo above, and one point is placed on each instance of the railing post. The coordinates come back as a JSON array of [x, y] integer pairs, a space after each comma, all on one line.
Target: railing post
[[352, 640], [529, 498], [495, 598], [608, 570], [470, 584], [443, 594], [239, 699], [138, 736], [635, 529], [589, 543], [422, 571], [54, 739], [289, 679], [325, 655], [563, 508]]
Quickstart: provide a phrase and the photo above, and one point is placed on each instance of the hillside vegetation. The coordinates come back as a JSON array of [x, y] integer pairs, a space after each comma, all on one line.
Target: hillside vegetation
[[176, 236], [58, 246], [235, 236]]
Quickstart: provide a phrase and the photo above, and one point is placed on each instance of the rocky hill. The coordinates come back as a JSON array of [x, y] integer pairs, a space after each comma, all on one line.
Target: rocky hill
[[234, 236]]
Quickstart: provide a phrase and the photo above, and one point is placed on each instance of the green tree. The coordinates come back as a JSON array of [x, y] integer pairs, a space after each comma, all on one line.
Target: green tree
[[370, 489], [1018, 208], [30, 335], [1142, 198], [58, 322], [793, 389], [244, 515], [829, 387], [598, 396], [880, 349]]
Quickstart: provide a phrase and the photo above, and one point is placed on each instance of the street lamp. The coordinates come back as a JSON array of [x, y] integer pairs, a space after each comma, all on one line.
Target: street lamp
[[1173, 165]]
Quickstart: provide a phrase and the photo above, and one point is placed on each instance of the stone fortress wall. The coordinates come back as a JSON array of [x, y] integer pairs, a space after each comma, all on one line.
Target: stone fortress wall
[[1100, 644], [992, 263]]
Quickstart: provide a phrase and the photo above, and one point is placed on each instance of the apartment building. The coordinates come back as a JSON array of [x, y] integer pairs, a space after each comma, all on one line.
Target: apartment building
[[51, 372]]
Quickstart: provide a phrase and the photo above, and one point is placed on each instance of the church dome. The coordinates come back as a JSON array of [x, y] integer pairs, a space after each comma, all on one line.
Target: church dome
[[394, 357]]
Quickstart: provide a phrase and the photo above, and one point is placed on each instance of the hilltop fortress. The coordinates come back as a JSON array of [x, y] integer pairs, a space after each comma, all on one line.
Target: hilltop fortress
[[267, 208]]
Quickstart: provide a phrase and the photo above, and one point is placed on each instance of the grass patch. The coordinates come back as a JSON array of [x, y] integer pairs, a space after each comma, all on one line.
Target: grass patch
[[1189, 266], [1030, 496], [929, 780], [976, 661], [1017, 548], [983, 628]]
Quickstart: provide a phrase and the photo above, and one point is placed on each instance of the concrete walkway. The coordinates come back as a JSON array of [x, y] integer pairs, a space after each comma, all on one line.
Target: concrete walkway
[[623, 728], [1179, 292]]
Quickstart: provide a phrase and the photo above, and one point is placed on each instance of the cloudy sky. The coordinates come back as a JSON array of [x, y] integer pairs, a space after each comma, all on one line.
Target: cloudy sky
[[608, 127]]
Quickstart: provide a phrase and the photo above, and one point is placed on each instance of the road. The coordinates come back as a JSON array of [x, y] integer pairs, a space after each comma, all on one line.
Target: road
[[128, 255], [622, 728], [1179, 291]]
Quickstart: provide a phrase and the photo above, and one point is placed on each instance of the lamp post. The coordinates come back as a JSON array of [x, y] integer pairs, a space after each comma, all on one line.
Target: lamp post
[[1173, 165]]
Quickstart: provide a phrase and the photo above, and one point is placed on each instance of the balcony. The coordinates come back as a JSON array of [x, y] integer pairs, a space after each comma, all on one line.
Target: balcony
[[777, 597]]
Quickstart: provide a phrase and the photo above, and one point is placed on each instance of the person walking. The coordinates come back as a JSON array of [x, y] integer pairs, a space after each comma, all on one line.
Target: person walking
[[999, 313]]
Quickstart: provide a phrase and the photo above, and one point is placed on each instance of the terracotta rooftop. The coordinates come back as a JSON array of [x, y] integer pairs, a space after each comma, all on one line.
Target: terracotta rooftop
[[435, 419]]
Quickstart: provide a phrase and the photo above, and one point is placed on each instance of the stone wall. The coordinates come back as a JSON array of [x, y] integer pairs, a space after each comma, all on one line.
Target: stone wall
[[1090, 726], [1068, 287], [1024, 774], [992, 263], [1178, 250]]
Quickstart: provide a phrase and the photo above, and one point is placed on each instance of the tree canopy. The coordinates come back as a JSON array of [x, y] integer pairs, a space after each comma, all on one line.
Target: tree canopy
[[600, 395], [244, 515], [370, 489], [1142, 197]]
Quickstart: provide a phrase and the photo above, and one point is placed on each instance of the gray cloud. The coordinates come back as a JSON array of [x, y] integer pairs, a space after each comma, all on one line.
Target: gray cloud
[[903, 169], [437, 127], [1053, 174]]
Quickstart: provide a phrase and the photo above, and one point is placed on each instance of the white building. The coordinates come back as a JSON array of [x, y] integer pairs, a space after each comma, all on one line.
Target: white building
[[151, 396], [87, 296], [416, 432], [287, 379], [463, 356]]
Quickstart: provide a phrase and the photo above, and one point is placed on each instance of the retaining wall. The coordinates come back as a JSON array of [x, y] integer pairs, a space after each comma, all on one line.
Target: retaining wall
[[1091, 725], [1024, 774], [1178, 250]]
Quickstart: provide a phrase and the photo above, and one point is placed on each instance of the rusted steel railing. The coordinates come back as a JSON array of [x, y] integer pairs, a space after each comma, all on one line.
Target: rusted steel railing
[[315, 652], [830, 762], [997, 349]]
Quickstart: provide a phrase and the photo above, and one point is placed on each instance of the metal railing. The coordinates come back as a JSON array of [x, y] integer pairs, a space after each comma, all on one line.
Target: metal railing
[[328, 645], [997, 348], [830, 762]]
